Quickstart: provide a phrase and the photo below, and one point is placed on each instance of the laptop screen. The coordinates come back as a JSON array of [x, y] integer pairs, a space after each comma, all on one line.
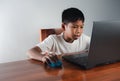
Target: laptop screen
[[105, 42]]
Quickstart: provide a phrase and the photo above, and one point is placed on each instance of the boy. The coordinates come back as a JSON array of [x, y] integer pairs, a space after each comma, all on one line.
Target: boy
[[71, 40]]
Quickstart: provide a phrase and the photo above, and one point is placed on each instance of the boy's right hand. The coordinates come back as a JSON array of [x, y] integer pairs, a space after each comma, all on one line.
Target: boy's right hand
[[49, 58], [52, 60]]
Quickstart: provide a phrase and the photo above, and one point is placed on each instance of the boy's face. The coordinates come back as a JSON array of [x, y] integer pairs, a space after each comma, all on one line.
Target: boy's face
[[73, 30]]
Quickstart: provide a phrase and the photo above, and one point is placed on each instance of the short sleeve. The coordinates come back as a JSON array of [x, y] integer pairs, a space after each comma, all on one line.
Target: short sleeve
[[47, 44]]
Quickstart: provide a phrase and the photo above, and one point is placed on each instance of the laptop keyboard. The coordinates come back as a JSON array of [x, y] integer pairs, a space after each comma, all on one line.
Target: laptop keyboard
[[80, 59]]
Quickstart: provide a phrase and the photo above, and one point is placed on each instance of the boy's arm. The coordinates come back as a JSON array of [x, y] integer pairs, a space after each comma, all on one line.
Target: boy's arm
[[35, 53]]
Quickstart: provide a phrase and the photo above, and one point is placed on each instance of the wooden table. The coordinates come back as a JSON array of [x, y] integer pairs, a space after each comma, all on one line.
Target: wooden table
[[31, 70]]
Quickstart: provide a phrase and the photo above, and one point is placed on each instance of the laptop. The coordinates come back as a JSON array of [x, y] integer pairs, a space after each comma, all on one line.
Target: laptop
[[104, 46]]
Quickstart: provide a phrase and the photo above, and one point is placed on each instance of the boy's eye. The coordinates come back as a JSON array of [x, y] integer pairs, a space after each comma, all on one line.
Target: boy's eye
[[81, 27], [77, 27]]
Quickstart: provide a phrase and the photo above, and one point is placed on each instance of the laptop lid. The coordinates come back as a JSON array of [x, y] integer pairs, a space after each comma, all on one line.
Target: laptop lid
[[105, 43]]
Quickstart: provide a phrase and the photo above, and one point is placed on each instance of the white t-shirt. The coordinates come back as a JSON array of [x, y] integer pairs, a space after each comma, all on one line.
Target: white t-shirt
[[57, 44]]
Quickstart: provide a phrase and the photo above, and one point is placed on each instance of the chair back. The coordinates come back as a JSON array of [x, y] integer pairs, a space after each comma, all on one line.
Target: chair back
[[46, 32]]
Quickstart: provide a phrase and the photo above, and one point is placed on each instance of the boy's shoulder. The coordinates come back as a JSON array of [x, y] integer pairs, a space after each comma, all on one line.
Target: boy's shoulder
[[54, 36]]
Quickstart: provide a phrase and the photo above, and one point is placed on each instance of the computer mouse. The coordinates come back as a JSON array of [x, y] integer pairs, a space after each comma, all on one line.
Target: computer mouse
[[58, 63], [54, 64]]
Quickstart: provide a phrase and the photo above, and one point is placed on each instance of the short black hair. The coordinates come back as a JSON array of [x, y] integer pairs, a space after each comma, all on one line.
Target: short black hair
[[72, 15]]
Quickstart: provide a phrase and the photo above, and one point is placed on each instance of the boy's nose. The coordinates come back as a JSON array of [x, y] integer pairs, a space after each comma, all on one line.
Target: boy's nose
[[79, 30]]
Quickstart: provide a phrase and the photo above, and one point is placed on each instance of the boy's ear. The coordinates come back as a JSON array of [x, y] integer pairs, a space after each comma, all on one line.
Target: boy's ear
[[63, 26]]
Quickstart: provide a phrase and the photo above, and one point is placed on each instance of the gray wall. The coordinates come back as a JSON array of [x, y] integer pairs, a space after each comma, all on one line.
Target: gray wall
[[20, 21]]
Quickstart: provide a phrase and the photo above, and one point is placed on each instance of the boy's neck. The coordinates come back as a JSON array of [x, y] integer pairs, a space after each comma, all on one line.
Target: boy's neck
[[67, 39]]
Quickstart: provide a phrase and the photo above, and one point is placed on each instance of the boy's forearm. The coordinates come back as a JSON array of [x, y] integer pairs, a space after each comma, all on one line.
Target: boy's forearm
[[35, 53], [36, 56]]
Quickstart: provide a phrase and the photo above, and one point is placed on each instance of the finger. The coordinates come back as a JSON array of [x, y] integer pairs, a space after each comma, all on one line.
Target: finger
[[48, 57], [55, 56], [47, 61], [45, 58], [52, 57]]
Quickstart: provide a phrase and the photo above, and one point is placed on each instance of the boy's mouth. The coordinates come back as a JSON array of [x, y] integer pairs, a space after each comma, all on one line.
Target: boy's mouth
[[76, 36]]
